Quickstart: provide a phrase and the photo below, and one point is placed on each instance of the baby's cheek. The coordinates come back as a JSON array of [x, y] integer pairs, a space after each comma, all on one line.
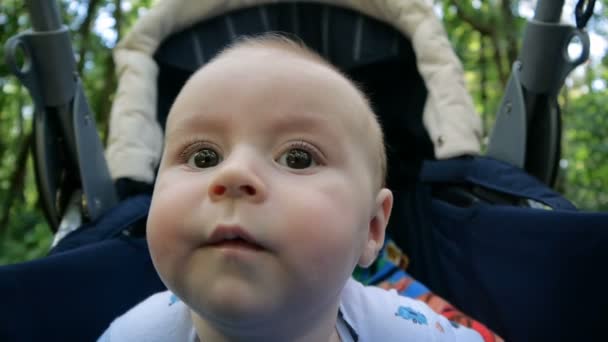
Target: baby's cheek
[[159, 239], [328, 231], [163, 234], [157, 235]]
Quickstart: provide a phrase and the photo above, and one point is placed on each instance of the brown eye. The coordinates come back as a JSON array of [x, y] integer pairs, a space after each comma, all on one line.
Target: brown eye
[[297, 158], [204, 158]]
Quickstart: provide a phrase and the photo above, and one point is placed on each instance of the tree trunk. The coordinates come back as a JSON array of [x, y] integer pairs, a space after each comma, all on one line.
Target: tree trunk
[[84, 32], [483, 83], [510, 30], [105, 105]]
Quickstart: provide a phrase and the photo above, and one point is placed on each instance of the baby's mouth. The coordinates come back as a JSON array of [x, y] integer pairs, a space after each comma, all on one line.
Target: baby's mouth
[[237, 243], [233, 237]]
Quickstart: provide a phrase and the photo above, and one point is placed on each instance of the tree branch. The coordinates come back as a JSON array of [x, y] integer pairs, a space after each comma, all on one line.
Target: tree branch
[[84, 31], [483, 82], [510, 30], [110, 77], [118, 18], [498, 59], [104, 104], [480, 26]]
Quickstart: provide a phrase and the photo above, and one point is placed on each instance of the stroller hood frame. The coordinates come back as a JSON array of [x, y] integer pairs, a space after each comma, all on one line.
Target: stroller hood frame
[[449, 115]]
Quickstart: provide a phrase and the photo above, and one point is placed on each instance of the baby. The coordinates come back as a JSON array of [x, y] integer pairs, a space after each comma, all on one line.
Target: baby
[[269, 193]]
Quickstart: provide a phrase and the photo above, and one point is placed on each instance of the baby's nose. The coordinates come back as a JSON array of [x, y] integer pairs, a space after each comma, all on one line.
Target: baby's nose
[[237, 181], [220, 189]]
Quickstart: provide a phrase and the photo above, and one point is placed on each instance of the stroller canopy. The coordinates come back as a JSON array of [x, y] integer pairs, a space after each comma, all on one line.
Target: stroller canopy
[[135, 140]]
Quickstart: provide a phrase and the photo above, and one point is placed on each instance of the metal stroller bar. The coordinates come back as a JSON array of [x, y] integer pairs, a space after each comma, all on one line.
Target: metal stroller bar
[[549, 11], [71, 170], [527, 132], [44, 15]]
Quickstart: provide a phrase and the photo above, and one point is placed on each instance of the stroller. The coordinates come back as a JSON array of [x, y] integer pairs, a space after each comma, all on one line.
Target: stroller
[[485, 232]]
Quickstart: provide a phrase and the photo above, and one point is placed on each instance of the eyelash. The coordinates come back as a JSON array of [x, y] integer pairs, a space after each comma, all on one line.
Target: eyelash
[[195, 145], [317, 156], [190, 147]]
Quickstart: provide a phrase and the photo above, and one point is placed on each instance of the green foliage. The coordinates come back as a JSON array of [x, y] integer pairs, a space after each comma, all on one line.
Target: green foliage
[[485, 35], [27, 235], [586, 150]]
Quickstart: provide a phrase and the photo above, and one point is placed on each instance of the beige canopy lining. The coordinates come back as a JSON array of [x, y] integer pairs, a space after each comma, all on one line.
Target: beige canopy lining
[[135, 141]]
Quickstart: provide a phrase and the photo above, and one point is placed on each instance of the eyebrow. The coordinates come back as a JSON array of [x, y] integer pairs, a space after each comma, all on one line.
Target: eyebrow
[[290, 122], [287, 122], [192, 122]]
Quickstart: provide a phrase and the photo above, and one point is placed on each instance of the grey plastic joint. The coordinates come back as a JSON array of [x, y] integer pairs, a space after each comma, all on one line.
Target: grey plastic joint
[[508, 139], [544, 56], [49, 64]]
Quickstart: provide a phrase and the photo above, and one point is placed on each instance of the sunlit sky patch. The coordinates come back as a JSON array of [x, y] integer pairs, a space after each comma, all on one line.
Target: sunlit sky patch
[[598, 84], [105, 25]]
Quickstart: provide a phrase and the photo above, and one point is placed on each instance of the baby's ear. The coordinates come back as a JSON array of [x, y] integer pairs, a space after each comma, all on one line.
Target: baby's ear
[[377, 227]]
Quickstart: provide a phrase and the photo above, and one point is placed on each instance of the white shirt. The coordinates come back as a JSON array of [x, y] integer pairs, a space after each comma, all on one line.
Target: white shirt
[[367, 313]]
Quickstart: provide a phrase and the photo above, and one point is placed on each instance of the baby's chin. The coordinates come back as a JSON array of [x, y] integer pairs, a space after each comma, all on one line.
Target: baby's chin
[[235, 299], [237, 309]]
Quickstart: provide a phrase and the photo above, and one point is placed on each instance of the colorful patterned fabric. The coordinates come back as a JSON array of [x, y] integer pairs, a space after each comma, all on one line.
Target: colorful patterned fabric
[[388, 272]]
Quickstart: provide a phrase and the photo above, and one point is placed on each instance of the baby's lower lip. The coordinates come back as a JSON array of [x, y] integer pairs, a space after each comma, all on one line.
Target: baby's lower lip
[[237, 244]]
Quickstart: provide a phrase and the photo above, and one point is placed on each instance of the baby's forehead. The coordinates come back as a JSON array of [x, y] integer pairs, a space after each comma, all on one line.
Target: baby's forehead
[[280, 63], [263, 75]]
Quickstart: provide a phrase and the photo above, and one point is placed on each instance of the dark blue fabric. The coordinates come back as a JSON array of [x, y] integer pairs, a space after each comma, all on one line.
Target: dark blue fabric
[[118, 219], [529, 274], [495, 175], [74, 293]]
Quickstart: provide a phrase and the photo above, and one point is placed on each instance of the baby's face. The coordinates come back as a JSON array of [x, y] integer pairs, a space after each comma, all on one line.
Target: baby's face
[[264, 197]]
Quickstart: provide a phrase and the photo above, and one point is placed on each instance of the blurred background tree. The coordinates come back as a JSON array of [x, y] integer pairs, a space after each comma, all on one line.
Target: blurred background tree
[[484, 33]]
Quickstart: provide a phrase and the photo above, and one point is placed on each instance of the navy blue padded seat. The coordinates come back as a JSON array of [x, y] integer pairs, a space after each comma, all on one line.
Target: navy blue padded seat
[[529, 274], [90, 278]]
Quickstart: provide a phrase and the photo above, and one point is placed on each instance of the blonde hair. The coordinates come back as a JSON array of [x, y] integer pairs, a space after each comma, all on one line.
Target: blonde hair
[[298, 48]]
